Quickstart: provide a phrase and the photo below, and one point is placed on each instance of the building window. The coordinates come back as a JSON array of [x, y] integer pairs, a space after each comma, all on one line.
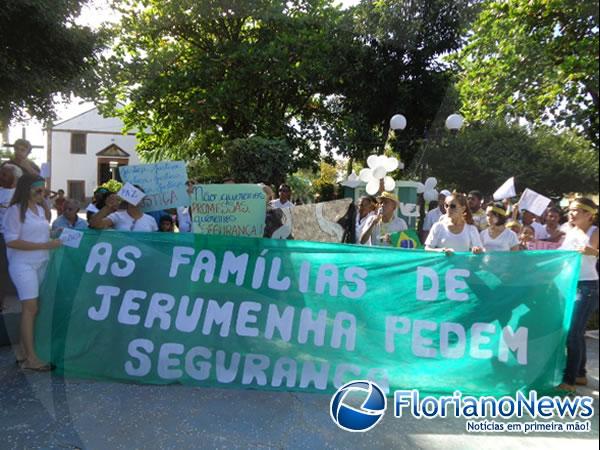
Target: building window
[[78, 143]]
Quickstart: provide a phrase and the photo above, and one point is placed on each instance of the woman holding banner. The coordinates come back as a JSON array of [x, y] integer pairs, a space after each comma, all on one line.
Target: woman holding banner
[[497, 237], [455, 232], [27, 236], [582, 237]]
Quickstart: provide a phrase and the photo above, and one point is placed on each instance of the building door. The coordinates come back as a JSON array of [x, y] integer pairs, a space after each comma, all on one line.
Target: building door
[[76, 190], [105, 171]]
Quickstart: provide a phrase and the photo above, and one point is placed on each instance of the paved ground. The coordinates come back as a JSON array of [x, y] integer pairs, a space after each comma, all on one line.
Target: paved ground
[[47, 411]]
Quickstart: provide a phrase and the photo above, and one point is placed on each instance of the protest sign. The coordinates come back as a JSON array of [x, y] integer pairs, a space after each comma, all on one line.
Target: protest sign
[[131, 194], [228, 209], [163, 184], [533, 202], [294, 315], [507, 190], [71, 237], [316, 222]]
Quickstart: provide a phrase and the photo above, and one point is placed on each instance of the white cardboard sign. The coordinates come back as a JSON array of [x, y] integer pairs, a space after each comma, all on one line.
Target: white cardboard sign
[[71, 237], [533, 202], [131, 194]]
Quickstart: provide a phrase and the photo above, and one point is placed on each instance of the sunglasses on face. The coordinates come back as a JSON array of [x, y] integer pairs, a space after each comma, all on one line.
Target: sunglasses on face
[[452, 206], [38, 191]]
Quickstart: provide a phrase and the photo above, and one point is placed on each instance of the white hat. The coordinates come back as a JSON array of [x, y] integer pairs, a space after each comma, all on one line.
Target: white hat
[[446, 193]]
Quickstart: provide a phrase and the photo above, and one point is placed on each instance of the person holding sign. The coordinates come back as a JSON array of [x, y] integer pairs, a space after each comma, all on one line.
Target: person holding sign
[[454, 232], [27, 235], [130, 219], [69, 218], [497, 237], [583, 237]]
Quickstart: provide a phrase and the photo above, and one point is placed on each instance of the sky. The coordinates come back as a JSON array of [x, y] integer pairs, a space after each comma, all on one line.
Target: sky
[[95, 13]]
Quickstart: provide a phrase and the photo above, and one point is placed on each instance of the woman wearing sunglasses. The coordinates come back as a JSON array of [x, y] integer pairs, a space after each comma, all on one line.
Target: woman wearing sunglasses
[[27, 235], [454, 232], [582, 237]]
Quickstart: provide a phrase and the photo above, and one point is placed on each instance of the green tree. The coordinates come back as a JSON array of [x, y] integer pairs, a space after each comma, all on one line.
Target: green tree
[[196, 74], [533, 59], [257, 159], [396, 69], [484, 156], [42, 52]]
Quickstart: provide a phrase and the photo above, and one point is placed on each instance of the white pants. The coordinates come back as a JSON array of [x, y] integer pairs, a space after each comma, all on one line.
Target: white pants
[[27, 278]]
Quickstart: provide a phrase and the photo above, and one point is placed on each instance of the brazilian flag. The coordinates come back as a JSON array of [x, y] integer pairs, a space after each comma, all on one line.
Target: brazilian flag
[[406, 239]]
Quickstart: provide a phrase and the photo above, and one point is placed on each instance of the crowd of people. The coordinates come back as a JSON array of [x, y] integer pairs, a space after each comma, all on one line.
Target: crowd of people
[[456, 223]]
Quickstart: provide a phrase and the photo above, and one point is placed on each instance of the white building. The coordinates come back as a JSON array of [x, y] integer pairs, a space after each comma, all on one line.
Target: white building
[[83, 150]]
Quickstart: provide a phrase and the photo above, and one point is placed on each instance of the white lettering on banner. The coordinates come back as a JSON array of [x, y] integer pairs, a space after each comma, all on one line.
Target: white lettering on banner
[[486, 340], [163, 312], [452, 282], [101, 253], [203, 265], [174, 361]]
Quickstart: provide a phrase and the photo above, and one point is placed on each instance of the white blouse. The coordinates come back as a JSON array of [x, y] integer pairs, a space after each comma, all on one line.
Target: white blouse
[[441, 237], [35, 229]]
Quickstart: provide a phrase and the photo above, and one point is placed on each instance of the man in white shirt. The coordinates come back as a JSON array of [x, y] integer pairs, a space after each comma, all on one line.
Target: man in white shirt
[[474, 199], [389, 222], [285, 193], [434, 215]]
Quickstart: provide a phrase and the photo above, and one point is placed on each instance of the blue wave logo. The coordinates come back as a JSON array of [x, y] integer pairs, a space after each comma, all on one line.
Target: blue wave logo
[[358, 419]]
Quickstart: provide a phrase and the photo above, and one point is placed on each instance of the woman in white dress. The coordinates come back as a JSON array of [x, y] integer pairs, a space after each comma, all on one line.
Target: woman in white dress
[[498, 238], [455, 232], [582, 237], [27, 235]]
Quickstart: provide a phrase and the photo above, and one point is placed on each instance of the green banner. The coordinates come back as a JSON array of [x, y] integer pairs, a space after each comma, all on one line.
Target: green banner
[[294, 315]]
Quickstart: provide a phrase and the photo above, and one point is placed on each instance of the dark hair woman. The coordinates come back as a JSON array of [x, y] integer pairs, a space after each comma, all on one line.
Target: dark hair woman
[[496, 237], [27, 235], [582, 237], [454, 232]]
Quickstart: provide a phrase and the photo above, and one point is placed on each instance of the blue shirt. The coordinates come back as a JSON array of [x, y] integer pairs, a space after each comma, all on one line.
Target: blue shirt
[[63, 222]]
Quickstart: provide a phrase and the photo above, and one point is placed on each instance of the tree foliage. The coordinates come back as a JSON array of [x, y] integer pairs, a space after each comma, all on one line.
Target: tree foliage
[[484, 156], [397, 69], [195, 74], [198, 73], [533, 59], [42, 52]]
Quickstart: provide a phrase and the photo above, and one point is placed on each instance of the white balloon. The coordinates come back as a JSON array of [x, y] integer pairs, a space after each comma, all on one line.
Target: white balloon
[[398, 122], [373, 187], [420, 188], [391, 164], [454, 122], [430, 195], [365, 175], [430, 183], [381, 160], [389, 184], [372, 161], [379, 172]]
